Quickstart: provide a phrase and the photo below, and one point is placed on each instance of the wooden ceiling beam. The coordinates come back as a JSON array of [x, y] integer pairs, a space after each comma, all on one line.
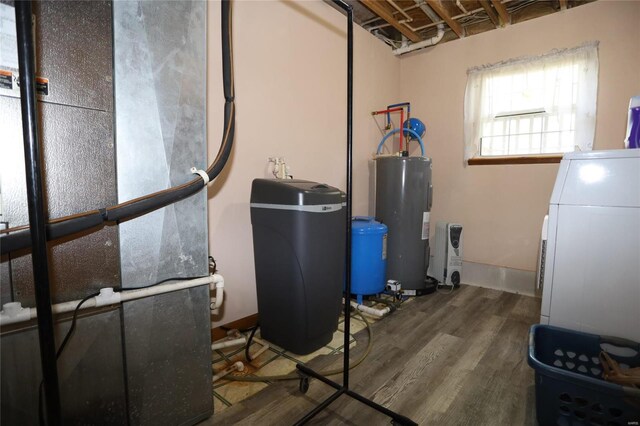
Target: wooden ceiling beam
[[490, 12], [377, 7], [505, 17], [437, 7]]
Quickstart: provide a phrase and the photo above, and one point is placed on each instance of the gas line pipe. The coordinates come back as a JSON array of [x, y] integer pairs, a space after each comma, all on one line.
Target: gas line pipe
[[369, 310]]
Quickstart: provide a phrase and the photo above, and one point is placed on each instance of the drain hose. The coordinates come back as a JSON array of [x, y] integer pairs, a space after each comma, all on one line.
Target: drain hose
[[296, 376]]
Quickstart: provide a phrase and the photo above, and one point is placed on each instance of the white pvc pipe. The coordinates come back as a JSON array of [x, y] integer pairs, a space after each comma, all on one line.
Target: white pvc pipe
[[429, 42], [228, 343], [262, 350], [218, 283], [237, 366], [13, 312], [422, 44], [371, 311]]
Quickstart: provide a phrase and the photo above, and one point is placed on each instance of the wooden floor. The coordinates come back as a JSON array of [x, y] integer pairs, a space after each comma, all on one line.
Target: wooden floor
[[457, 359]]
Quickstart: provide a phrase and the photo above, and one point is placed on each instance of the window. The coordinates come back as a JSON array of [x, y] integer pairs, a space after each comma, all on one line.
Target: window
[[532, 106]]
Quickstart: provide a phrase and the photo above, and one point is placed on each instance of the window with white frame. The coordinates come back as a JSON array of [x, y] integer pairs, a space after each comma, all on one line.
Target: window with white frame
[[532, 106]]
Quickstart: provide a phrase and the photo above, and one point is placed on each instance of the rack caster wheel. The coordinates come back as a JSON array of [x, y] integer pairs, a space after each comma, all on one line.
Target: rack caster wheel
[[304, 384]]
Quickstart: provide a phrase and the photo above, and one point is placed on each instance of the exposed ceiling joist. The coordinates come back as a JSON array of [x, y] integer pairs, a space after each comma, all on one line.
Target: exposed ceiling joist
[[396, 21], [437, 7], [502, 11], [377, 7], [490, 12]]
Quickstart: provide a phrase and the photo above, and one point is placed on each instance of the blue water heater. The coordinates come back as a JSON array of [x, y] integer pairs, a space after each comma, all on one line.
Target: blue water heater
[[368, 256]]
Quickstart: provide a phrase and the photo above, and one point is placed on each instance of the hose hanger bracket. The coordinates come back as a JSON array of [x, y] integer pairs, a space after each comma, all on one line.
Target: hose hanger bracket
[[202, 173]]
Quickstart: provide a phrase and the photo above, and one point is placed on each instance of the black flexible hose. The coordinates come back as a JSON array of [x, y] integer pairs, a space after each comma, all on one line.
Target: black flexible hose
[[20, 238], [247, 355]]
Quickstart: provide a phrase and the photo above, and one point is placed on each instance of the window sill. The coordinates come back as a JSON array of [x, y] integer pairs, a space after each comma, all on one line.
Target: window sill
[[513, 159]]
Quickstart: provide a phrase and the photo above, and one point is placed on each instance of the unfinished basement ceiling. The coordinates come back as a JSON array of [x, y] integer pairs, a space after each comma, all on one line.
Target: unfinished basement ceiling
[[401, 23]]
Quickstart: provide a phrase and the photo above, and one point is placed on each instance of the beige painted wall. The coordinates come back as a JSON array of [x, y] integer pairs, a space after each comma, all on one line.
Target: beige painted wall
[[502, 207], [290, 74]]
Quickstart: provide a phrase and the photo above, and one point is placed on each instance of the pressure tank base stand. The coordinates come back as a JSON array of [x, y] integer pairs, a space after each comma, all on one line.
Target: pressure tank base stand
[[305, 372]]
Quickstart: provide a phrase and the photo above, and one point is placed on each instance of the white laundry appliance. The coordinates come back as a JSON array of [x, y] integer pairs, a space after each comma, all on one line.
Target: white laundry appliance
[[592, 266]]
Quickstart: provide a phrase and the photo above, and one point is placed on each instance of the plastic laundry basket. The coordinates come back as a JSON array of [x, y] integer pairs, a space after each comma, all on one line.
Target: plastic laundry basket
[[569, 387]]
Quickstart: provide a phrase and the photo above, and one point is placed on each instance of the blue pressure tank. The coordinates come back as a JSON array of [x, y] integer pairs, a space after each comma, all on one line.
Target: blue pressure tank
[[368, 256]]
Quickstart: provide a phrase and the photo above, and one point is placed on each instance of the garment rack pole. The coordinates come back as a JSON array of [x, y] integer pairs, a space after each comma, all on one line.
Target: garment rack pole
[[37, 214], [307, 372]]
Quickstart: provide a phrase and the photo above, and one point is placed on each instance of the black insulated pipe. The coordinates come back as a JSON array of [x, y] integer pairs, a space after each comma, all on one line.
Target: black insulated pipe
[[37, 214], [62, 227]]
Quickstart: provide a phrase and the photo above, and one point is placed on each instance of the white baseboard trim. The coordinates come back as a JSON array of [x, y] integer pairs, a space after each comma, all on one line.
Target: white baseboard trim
[[499, 278]]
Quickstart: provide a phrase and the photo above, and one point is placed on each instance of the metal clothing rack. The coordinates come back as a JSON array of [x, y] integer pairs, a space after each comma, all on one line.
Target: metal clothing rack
[[307, 372], [37, 214]]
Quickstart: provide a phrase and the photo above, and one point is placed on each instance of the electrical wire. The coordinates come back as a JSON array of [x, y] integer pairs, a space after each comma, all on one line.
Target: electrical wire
[[66, 339], [121, 289], [296, 376], [74, 320], [242, 330], [13, 239], [247, 355]]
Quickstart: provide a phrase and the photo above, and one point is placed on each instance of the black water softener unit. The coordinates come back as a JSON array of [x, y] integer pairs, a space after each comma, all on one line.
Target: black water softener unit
[[299, 247]]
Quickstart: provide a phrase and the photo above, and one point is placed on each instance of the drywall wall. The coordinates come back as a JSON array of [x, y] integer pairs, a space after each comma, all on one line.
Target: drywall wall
[[290, 77], [502, 206]]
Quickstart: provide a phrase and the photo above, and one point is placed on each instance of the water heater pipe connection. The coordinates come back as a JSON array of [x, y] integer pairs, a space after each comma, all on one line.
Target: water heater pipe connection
[[393, 132], [390, 110], [401, 105], [371, 311], [14, 312]]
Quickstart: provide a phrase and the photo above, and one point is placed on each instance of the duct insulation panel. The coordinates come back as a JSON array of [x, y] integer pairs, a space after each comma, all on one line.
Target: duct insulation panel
[[74, 65]]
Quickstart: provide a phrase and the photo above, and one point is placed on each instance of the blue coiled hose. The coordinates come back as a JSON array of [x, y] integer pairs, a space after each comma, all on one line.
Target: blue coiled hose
[[393, 132]]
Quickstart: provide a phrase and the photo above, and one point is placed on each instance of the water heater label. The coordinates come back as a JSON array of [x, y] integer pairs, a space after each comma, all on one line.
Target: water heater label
[[384, 246], [425, 225], [6, 80]]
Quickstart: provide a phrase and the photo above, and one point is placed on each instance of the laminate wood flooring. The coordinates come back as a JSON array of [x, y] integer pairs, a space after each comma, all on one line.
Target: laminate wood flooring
[[442, 359]]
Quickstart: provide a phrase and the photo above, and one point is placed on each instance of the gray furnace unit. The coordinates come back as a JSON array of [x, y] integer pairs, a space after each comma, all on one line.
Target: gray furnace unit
[[131, 72], [299, 247], [403, 202]]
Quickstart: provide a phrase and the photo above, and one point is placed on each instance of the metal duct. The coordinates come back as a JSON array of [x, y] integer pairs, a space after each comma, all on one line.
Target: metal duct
[[160, 94], [160, 75]]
